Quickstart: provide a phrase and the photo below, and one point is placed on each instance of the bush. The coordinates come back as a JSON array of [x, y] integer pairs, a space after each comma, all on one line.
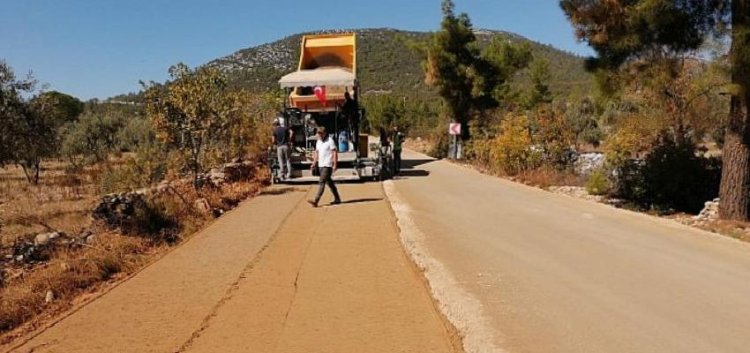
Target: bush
[[673, 176], [146, 167], [556, 138], [92, 137], [152, 220], [512, 151], [477, 150], [440, 145], [598, 183]]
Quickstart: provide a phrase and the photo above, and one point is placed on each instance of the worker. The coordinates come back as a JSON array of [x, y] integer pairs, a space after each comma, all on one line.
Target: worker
[[383, 137], [397, 138], [282, 138], [325, 158], [349, 109]]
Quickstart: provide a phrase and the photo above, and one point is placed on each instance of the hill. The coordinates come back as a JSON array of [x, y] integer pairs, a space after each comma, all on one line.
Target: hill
[[386, 63]]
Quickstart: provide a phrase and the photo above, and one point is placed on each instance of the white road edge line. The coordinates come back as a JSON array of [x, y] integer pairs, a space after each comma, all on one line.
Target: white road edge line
[[462, 309]]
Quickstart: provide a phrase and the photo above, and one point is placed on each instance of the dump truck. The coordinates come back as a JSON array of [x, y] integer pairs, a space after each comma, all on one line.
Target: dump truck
[[317, 96]]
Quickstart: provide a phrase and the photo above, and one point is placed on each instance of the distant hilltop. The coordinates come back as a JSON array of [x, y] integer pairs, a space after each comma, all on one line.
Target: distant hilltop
[[386, 64]]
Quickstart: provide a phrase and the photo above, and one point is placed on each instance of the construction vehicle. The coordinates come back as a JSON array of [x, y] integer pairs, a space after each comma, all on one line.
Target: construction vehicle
[[317, 96]]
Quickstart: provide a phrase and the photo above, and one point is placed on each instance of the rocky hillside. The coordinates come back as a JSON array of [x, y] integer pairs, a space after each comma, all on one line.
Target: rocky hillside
[[386, 64]]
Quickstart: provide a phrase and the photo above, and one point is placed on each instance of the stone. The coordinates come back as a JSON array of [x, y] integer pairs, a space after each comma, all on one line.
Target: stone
[[45, 238], [710, 211], [49, 297], [162, 187], [202, 205], [586, 163]]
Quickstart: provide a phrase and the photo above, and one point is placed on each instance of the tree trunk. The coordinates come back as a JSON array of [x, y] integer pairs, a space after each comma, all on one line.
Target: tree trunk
[[37, 168], [735, 178]]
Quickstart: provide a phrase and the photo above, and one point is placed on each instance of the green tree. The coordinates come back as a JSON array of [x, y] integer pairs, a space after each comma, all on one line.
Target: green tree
[[468, 79], [539, 92], [505, 59], [29, 130], [190, 114], [93, 136], [450, 65], [623, 32], [59, 107]]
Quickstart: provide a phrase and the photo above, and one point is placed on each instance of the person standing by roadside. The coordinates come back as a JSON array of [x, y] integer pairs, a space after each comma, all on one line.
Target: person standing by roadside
[[397, 139], [326, 157], [282, 137]]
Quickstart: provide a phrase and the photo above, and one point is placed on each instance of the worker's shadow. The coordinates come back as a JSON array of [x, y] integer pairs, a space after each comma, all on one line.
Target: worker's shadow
[[409, 168], [364, 200], [408, 173]]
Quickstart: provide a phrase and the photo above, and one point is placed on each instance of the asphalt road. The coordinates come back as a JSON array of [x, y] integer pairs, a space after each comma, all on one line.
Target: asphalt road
[[519, 269]]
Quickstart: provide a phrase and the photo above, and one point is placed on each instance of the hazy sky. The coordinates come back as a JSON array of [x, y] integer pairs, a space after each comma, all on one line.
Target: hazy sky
[[100, 48]]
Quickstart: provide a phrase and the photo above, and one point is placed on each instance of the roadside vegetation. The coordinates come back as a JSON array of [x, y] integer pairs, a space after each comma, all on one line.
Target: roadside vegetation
[[649, 133], [92, 191]]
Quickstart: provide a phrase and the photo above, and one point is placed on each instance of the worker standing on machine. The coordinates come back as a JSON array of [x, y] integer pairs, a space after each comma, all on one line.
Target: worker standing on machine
[[350, 109]]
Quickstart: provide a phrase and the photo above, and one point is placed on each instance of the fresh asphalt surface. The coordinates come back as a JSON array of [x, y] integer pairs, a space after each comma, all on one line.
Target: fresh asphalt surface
[[558, 274]]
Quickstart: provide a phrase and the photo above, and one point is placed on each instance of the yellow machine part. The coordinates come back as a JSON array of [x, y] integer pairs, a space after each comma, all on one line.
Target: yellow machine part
[[325, 50], [329, 50]]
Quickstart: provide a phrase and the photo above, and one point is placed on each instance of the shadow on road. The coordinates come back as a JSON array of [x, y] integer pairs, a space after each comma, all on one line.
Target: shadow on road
[[411, 163], [409, 168], [361, 200], [407, 173], [280, 190]]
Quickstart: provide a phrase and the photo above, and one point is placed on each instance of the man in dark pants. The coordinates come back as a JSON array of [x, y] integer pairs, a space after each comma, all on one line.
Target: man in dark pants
[[326, 157], [397, 139]]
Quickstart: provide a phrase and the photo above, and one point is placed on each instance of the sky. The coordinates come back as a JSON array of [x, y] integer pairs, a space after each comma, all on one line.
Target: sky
[[101, 48]]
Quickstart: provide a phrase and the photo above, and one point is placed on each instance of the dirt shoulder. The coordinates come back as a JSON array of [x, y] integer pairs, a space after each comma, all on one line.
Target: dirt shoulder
[[332, 279]]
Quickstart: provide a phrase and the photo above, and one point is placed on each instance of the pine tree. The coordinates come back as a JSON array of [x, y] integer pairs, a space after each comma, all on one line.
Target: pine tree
[[622, 32], [450, 62]]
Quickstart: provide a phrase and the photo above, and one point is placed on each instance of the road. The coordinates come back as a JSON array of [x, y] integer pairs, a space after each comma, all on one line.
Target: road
[[273, 275], [522, 270], [513, 268]]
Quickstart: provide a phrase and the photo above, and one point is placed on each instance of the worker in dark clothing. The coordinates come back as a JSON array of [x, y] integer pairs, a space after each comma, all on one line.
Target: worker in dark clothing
[[350, 111], [383, 137], [282, 138], [397, 139]]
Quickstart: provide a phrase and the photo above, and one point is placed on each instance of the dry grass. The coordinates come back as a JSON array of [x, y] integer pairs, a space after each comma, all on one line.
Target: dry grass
[[545, 177], [60, 202], [68, 274], [64, 203]]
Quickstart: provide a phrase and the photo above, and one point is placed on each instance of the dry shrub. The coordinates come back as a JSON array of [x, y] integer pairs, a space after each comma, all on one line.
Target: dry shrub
[[69, 274], [598, 182], [512, 151], [547, 176]]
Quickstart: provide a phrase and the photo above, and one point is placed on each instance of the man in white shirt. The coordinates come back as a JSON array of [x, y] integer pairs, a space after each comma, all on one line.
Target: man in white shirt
[[326, 157]]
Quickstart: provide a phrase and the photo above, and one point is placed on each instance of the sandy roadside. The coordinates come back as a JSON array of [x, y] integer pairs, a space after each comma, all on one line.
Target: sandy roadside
[[275, 275]]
